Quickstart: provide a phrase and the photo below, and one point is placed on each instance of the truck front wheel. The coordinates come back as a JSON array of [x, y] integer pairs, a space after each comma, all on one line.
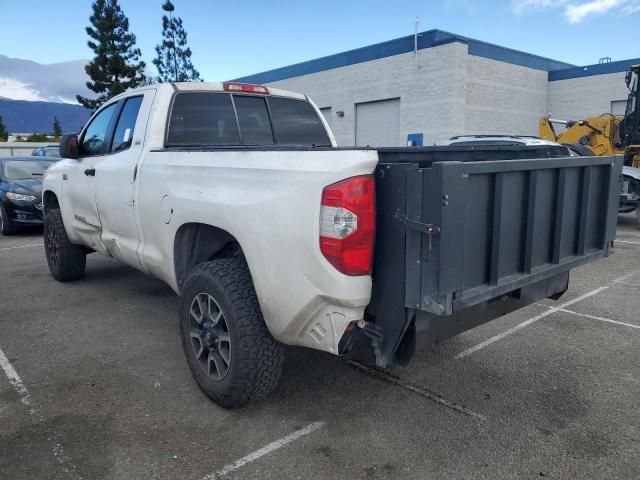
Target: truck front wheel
[[231, 354], [66, 261]]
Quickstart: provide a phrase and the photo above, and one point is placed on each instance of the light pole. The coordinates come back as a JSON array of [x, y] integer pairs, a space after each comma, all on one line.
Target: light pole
[[415, 44]]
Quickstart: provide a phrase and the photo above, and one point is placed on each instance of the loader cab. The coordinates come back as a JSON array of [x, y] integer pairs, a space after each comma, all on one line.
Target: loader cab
[[631, 131]]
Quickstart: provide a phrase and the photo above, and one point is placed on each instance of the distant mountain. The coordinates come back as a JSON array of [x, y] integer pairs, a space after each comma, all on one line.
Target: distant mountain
[[21, 116], [56, 82]]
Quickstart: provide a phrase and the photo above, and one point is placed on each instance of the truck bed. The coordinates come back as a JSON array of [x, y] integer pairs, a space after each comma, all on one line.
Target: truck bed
[[466, 234]]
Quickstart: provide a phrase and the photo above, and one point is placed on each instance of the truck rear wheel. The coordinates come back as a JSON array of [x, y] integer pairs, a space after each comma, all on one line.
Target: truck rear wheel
[[231, 354], [67, 262]]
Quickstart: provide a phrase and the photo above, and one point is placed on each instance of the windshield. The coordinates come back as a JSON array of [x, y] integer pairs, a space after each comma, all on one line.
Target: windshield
[[25, 169]]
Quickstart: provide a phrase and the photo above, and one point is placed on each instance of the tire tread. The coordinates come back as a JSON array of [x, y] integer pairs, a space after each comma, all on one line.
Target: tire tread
[[73, 258], [260, 367]]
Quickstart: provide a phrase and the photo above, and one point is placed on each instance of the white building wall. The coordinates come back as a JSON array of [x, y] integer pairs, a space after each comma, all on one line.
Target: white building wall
[[576, 98], [449, 92], [431, 96], [503, 98]]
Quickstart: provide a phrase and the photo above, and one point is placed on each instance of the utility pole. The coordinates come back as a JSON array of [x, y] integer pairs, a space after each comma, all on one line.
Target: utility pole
[[415, 45]]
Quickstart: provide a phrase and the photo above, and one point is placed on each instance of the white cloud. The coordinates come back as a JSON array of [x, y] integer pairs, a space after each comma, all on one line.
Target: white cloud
[[16, 90], [575, 11], [55, 82], [525, 6]]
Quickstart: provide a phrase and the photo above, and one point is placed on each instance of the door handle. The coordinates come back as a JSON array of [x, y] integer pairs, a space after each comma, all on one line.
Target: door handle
[[90, 172]]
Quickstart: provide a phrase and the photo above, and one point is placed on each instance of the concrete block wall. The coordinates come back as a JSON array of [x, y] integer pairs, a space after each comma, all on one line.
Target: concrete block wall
[[431, 96], [448, 92], [502, 98], [576, 98]]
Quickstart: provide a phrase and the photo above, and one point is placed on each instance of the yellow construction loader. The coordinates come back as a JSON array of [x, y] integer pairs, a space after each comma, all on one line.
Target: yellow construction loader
[[591, 136]]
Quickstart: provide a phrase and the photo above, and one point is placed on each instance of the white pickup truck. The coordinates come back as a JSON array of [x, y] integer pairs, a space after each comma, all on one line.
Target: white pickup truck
[[237, 197]]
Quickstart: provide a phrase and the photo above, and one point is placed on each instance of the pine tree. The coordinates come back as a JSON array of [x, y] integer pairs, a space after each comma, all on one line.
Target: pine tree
[[173, 59], [4, 135], [116, 65], [57, 128]]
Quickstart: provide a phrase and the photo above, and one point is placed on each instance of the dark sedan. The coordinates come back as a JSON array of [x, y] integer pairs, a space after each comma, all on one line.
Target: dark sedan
[[21, 192]]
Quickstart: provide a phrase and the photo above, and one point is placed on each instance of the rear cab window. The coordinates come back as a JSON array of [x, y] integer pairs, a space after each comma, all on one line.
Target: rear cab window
[[230, 119], [201, 119], [296, 122]]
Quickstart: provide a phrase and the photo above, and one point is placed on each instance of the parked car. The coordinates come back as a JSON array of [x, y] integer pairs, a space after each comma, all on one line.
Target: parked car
[[48, 151], [21, 192], [496, 140], [237, 197]]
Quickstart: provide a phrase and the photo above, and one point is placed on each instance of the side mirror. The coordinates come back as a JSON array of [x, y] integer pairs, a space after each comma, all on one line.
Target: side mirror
[[69, 145]]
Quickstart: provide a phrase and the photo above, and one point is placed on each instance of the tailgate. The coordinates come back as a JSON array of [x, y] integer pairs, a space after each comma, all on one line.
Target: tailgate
[[457, 234]]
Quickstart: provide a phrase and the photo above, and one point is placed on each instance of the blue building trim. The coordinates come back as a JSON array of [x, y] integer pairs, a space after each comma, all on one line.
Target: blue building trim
[[590, 70], [428, 39]]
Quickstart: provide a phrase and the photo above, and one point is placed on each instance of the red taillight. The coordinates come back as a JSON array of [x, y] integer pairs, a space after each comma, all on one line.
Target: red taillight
[[245, 88], [348, 223]]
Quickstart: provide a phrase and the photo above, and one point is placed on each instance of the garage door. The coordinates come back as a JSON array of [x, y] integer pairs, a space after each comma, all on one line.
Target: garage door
[[618, 107], [378, 123]]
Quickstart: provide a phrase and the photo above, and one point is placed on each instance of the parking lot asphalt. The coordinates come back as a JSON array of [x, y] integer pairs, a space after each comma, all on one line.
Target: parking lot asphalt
[[95, 386]]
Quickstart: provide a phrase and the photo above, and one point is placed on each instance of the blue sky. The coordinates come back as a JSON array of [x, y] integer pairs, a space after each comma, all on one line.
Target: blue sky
[[231, 39]]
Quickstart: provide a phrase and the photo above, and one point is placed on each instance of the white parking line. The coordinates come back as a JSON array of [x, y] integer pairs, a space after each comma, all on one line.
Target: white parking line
[[14, 379], [22, 246], [526, 323], [267, 449], [626, 241], [602, 319], [25, 397], [551, 310]]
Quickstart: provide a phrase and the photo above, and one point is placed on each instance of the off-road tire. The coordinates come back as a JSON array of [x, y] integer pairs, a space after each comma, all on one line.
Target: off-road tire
[[71, 259], [7, 227], [256, 358]]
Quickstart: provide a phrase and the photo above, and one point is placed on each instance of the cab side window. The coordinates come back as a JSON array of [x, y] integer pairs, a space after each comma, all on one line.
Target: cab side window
[[123, 135], [93, 141]]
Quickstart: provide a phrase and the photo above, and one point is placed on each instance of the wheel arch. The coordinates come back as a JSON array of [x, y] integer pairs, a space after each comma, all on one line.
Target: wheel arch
[[50, 200], [195, 243]]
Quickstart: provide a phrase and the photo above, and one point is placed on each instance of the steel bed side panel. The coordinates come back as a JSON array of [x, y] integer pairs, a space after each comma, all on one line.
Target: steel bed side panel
[[501, 225]]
